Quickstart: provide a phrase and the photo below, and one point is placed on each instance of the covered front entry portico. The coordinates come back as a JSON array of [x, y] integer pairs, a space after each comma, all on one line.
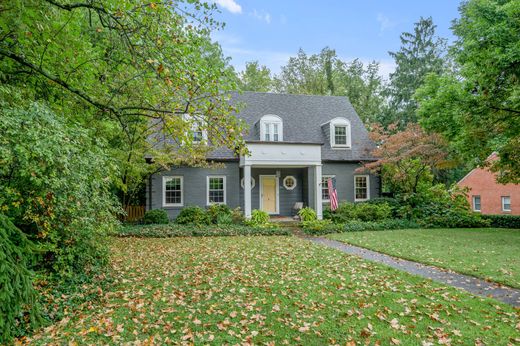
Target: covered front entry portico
[[270, 165]]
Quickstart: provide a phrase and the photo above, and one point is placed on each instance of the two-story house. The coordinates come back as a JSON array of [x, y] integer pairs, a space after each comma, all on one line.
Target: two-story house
[[486, 196], [296, 142]]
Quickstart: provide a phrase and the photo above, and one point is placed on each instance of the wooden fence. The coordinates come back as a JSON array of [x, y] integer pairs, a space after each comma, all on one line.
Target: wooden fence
[[134, 213]]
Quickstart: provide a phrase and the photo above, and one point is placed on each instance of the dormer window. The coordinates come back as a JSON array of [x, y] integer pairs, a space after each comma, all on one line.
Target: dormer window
[[271, 128], [340, 136], [198, 134]]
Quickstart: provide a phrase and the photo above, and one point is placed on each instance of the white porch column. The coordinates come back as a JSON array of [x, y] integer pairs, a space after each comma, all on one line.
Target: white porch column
[[317, 192], [247, 191]]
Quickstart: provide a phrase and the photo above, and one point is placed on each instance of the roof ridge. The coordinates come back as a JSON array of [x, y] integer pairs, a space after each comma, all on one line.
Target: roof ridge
[[289, 94]]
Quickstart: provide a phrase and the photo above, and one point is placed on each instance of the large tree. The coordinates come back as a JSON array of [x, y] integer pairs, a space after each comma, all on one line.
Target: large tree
[[255, 77], [407, 158], [476, 106], [125, 68], [326, 74], [421, 52]]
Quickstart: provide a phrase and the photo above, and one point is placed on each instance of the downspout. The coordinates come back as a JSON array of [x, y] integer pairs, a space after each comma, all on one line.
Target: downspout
[[149, 192]]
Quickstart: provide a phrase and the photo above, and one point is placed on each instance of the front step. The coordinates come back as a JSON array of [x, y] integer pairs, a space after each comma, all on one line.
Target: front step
[[285, 221]]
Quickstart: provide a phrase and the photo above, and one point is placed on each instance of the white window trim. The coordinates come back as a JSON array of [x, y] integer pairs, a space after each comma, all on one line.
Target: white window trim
[[503, 204], [270, 119], [474, 204], [207, 189], [323, 176], [289, 187], [195, 124], [340, 122], [368, 188], [165, 180], [253, 183]]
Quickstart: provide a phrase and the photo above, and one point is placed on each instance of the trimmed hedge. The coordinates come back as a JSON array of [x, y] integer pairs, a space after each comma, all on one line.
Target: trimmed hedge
[[320, 227], [176, 230], [193, 215], [503, 221], [362, 211], [155, 216]]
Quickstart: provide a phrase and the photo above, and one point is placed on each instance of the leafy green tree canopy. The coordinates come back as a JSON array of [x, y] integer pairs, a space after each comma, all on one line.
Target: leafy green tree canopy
[[477, 105], [421, 52], [126, 59], [255, 77], [326, 74], [55, 186]]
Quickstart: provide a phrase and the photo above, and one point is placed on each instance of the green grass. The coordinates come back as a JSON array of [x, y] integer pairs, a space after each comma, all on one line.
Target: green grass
[[487, 253], [255, 290]]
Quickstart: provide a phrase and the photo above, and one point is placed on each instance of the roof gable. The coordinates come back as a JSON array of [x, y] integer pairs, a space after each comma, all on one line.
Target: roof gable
[[302, 117]]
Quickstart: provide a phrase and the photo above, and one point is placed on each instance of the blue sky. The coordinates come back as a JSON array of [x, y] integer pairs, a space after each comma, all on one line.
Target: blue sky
[[271, 31]]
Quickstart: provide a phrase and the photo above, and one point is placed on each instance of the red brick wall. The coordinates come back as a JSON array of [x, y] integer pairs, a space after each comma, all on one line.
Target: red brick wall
[[482, 182]]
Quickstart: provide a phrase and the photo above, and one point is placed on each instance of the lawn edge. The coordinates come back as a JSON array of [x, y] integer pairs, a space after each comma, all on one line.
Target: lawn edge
[[498, 282]]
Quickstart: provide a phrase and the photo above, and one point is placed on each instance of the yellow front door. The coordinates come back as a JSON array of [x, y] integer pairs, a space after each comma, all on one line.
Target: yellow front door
[[269, 194]]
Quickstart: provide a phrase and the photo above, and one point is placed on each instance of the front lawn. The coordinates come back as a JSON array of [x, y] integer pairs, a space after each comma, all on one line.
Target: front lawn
[[256, 290], [490, 253]]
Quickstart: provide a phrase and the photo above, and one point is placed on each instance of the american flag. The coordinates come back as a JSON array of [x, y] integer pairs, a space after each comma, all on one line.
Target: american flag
[[333, 195]]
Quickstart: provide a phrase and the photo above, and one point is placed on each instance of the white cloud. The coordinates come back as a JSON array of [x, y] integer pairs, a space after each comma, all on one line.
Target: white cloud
[[385, 23], [261, 15], [230, 5], [226, 39]]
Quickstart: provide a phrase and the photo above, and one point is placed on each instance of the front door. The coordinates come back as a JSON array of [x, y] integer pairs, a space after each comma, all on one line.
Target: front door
[[268, 202]]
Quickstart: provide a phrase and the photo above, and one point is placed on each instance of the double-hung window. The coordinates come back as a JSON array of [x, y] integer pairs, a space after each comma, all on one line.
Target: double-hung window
[[271, 128], [275, 132], [198, 134], [340, 135], [325, 197], [216, 187], [361, 188], [506, 203], [476, 203], [172, 191]]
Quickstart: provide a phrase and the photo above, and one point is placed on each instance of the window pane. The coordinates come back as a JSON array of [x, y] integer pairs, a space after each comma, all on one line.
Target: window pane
[[340, 135], [506, 203], [267, 132], [173, 193], [361, 191], [324, 188], [476, 203], [197, 136], [216, 190]]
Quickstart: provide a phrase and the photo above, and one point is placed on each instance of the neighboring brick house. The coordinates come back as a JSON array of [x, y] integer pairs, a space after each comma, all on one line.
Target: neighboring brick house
[[489, 197], [296, 143]]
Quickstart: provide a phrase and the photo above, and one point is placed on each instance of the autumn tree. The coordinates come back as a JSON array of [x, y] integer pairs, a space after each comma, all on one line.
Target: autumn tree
[[421, 52], [476, 106], [126, 69], [255, 77], [406, 157]]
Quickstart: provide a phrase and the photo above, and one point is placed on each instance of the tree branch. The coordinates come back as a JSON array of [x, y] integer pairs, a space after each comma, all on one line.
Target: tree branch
[[19, 59]]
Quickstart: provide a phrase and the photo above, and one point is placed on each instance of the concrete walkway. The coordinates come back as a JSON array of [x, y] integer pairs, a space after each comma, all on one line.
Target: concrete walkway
[[471, 284]]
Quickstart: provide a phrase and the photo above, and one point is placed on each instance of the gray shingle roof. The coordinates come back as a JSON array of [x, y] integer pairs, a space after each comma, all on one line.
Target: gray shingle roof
[[302, 117]]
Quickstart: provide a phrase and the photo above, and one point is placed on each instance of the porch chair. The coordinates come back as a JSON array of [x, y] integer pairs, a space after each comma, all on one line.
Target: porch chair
[[296, 208]]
